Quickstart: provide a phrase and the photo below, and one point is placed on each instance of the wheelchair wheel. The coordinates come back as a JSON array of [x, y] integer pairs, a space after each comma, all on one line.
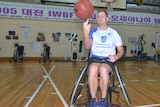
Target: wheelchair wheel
[[15, 55], [122, 85], [79, 84]]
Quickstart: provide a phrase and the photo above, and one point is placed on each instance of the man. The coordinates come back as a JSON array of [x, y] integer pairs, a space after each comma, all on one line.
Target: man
[[106, 48]]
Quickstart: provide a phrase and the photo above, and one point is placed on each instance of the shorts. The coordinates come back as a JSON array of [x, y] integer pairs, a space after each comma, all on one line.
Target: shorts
[[105, 60]]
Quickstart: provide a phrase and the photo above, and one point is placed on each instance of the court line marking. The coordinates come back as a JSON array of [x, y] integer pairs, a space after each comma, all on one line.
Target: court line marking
[[80, 95], [56, 89], [138, 71], [151, 80], [134, 80], [37, 90], [152, 65], [152, 105]]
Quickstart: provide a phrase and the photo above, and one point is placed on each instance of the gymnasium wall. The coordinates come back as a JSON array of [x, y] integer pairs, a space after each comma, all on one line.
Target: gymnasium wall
[[47, 27], [27, 32], [58, 48], [135, 31]]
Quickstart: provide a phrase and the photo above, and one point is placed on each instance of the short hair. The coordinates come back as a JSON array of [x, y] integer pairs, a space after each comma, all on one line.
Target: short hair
[[104, 12]]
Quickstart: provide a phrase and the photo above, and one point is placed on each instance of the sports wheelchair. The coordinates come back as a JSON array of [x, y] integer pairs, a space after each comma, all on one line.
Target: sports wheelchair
[[81, 82], [18, 53], [46, 53]]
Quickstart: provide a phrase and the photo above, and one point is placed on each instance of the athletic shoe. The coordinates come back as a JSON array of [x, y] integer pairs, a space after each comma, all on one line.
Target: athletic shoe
[[103, 102], [93, 102]]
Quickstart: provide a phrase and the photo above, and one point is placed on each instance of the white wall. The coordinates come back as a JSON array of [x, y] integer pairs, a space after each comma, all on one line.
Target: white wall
[[135, 31], [57, 48]]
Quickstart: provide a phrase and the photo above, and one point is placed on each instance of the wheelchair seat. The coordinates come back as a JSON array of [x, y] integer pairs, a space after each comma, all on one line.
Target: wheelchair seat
[[82, 82]]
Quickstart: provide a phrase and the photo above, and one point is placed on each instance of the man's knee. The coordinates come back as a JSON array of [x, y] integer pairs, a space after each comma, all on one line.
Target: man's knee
[[105, 69], [93, 71]]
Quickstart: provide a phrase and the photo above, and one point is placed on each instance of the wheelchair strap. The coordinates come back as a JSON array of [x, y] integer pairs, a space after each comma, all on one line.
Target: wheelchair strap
[[105, 60]]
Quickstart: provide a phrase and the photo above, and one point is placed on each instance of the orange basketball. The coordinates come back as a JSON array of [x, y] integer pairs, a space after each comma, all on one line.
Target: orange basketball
[[83, 9]]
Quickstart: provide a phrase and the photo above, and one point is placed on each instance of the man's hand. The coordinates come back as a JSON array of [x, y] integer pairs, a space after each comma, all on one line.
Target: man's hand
[[113, 58], [86, 27]]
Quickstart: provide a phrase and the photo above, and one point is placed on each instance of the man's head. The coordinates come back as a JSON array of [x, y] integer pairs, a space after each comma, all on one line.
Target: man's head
[[102, 18], [103, 11]]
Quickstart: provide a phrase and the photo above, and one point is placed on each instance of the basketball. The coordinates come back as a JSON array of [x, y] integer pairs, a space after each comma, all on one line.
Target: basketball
[[83, 9]]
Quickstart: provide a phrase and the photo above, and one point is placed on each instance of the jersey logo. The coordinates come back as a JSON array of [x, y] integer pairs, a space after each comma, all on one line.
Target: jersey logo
[[103, 39]]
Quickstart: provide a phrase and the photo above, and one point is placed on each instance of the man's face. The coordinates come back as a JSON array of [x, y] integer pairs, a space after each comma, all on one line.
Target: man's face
[[102, 19]]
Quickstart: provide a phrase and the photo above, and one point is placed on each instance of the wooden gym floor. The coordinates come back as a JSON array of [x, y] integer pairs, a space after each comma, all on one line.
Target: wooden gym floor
[[34, 84]]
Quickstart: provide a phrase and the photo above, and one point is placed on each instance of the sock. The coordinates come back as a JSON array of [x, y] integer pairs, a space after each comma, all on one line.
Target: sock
[[103, 99]]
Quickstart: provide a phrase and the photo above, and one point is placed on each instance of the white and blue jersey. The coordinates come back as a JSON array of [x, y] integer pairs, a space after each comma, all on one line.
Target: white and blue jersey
[[104, 42]]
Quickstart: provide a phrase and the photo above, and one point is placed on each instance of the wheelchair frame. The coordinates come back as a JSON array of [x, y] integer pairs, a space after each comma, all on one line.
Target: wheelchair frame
[[81, 82]]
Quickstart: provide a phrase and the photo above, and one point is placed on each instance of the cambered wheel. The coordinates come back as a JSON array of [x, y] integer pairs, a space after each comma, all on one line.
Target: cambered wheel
[[79, 84]]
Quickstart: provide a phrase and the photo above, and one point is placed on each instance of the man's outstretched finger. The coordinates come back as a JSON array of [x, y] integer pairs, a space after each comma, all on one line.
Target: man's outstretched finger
[[87, 20]]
